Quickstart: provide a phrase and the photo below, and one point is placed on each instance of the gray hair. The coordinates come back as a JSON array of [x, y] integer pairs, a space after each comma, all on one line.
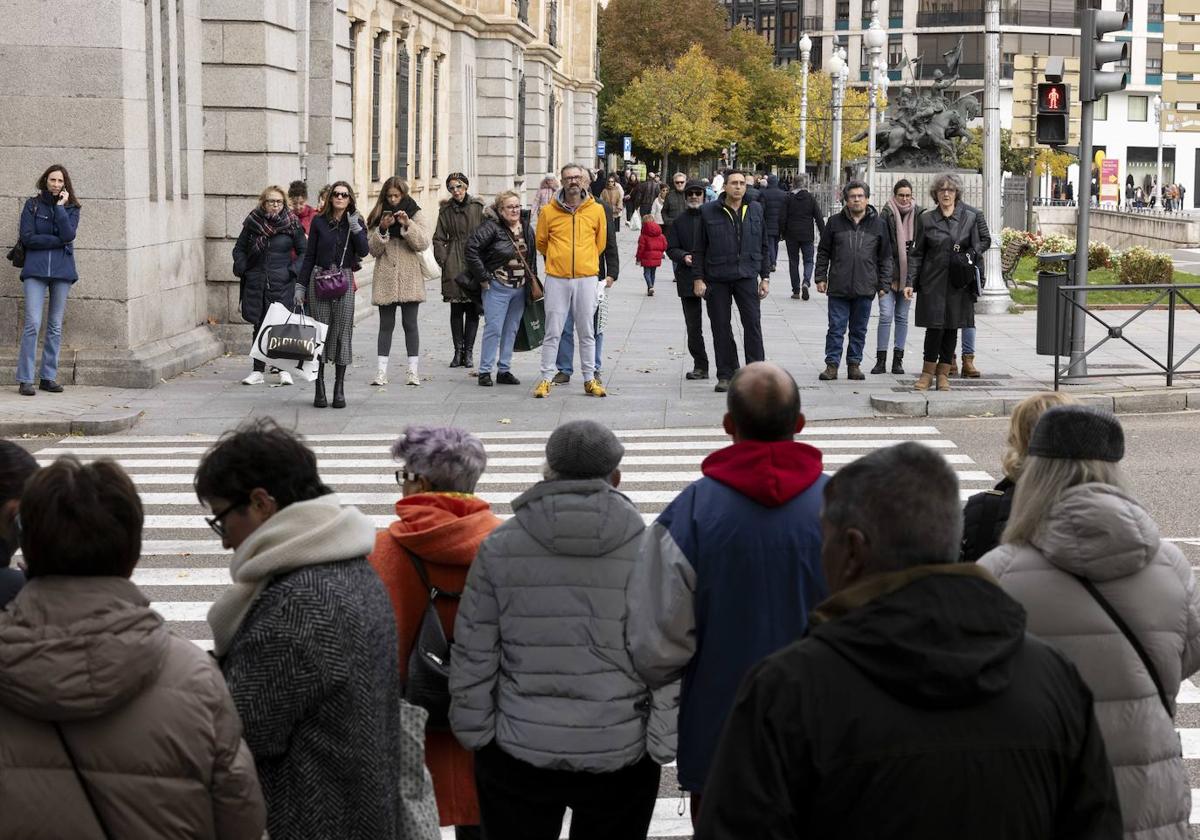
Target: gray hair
[[450, 459], [904, 500], [563, 172], [1043, 482], [944, 181], [801, 182]]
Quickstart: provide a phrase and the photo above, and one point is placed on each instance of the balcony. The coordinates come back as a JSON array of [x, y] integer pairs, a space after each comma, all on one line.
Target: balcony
[[1040, 17], [896, 23], [969, 18], [841, 25]]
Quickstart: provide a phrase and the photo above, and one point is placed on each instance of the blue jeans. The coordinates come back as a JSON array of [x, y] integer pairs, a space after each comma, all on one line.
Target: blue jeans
[[892, 306], [35, 297], [565, 361], [854, 312], [502, 311], [968, 341], [648, 272]]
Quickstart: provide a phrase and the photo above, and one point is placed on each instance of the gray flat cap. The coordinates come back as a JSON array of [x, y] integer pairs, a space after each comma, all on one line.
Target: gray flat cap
[[1078, 433], [583, 449]]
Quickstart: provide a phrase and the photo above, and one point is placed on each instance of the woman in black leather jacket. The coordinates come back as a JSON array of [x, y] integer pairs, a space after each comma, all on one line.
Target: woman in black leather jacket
[[501, 256]]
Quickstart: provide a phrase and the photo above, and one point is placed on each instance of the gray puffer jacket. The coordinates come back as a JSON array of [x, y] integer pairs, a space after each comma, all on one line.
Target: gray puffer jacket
[[1099, 533], [539, 662]]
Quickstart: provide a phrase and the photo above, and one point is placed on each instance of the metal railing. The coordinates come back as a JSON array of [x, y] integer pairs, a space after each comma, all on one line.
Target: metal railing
[[1116, 332]]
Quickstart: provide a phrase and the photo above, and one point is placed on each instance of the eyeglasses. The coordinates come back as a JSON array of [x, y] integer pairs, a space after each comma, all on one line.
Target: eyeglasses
[[217, 522], [404, 475], [680, 183], [457, 187], [341, 194], [948, 190], [903, 195]]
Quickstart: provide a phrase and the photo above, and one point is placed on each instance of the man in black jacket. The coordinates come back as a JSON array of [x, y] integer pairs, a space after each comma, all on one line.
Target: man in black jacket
[[774, 202], [681, 245], [854, 264], [730, 254], [917, 706], [676, 202], [800, 214]]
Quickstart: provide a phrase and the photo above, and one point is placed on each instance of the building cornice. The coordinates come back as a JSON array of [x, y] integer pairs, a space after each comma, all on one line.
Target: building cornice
[[544, 53]]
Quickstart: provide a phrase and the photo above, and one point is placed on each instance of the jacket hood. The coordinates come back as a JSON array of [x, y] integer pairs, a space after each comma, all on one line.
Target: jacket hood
[[560, 198], [934, 636], [651, 228], [470, 199], [772, 180], [74, 648], [578, 517], [1098, 532], [771, 473], [870, 214], [448, 525]]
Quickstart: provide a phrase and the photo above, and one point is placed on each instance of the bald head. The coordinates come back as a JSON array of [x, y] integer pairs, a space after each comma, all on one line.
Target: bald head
[[763, 404]]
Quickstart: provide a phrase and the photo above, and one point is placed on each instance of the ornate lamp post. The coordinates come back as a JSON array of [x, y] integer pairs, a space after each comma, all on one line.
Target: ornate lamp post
[[805, 52], [839, 72], [874, 39]]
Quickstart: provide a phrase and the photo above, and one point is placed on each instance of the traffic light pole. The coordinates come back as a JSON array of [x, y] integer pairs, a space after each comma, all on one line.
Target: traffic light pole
[[1077, 369]]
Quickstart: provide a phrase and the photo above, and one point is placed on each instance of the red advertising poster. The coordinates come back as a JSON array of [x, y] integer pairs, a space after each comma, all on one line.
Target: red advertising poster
[[1110, 188]]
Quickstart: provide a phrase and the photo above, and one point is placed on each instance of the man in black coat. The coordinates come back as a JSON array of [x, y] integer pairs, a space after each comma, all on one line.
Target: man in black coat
[[682, 234], [730, 254], [774, 202], [800, 214], [676, 202], [854, 264], [917, 706]]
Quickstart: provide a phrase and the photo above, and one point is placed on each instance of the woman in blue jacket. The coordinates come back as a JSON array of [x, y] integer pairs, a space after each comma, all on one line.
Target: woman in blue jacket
[[48, 224]]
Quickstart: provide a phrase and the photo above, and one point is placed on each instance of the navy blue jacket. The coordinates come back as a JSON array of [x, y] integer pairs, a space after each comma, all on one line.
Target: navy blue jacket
[[722, 255], [774, 202], [326, 246], [48, 234], [728, 575], [681, 241]]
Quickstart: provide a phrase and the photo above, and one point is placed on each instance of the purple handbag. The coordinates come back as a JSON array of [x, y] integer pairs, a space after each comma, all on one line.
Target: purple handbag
[[333, 282]]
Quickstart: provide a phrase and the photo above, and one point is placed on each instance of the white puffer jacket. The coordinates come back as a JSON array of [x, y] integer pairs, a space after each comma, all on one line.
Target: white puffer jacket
[[1097, 532]]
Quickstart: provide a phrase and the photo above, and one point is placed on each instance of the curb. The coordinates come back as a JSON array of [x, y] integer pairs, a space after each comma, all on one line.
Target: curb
[[92, 424], [938, 405]]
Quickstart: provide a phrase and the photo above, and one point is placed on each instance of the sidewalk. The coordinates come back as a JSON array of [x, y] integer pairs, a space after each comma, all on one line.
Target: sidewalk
[[645, 359]]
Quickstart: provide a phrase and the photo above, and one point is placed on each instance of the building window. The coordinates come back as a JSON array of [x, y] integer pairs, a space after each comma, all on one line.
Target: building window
[[402, 71], [814, 57], [896, 11], [1060, 13], [1139, 108], [1187, 47], [895, 53], [1100, 110], [933, 47], [418, 108], [766, 27], [1154, 58], [843, 11], [949, 12], [521, 123], [376, 95], [355, 28], [789, 27], [437, 110], [1154, 15]]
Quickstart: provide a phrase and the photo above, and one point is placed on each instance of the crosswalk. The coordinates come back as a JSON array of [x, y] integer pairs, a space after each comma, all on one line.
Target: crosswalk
[[184, 568]]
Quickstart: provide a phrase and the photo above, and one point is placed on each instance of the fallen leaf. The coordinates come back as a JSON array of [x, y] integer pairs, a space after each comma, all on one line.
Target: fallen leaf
[[505, 421]]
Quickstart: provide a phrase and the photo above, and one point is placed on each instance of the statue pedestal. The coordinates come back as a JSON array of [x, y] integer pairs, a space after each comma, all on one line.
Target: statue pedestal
[[972, 184]]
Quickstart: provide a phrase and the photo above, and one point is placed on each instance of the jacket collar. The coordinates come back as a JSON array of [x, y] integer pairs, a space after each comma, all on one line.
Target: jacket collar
[[876, 586]]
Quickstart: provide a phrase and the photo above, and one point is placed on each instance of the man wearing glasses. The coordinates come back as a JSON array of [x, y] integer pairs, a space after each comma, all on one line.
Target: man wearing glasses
[[676, 202], [681, 246], [572, 233]]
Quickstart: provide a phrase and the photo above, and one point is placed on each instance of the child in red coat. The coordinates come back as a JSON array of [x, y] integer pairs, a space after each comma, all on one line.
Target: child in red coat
[[651, 247]]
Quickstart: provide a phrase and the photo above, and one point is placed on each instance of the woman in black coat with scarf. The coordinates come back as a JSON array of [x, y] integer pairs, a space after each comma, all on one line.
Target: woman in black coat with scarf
[[942, 308], [265, 259]]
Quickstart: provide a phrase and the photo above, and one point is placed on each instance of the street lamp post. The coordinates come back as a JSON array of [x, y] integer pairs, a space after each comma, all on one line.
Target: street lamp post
[[805, 52], [874, 39], [1158, 107], [839, 72]]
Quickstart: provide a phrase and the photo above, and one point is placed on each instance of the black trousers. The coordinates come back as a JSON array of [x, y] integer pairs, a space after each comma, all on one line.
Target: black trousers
[[939, 345], [521, 802], [721, 296], [464, 323], [387, 325], [693, 318]]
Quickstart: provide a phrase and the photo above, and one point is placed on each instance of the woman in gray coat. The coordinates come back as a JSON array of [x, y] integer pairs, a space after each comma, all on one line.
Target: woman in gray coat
[[541, 684], [941, 308], [1084, 558]]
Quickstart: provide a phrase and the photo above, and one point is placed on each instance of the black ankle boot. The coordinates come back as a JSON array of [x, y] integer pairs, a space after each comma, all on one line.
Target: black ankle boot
[[467, 352], [880, 362], [898, 361], [457, 361], [339, 382], [319, 400]]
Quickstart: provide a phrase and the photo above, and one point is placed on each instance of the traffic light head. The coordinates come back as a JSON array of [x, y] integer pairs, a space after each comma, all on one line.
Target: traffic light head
[[1093, 81], [1053, 113]]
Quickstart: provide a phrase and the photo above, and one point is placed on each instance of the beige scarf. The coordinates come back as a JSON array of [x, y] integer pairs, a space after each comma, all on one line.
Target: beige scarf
[[904, 234], [303, 534]]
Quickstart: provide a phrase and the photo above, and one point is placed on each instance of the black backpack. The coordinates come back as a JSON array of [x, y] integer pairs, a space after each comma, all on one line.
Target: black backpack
[[428, 684]]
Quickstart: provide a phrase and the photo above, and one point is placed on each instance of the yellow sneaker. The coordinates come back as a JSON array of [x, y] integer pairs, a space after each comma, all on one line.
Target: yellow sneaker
[[542, 389], [593, 388]]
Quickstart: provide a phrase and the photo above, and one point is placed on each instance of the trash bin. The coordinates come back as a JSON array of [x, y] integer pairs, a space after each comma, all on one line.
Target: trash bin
[[1049, 282]]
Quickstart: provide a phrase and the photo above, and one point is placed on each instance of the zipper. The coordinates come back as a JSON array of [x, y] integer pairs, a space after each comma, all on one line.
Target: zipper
[[574, 219]]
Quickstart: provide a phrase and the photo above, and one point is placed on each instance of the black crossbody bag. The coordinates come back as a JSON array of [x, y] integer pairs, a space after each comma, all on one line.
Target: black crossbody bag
[[428, 684]]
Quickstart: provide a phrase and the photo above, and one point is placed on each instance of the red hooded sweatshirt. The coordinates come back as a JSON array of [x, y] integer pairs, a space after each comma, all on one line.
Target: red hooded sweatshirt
[[771, 473], [651, 245]]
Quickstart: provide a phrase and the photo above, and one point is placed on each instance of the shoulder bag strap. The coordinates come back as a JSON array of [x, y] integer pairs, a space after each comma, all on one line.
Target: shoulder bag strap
[[434, 592], [1129, 635], [87, 791], [345, 247]]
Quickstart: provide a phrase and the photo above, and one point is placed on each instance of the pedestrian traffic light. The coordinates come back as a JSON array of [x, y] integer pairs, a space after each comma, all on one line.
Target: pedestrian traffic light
[[1053, 113], [1093, 81]]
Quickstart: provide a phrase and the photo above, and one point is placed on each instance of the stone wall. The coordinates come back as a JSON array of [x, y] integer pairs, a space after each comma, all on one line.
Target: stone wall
[[1156, 231]]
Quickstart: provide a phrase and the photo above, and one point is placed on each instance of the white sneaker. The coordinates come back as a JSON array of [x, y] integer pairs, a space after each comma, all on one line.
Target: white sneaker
[[285, 378], [255, 378], [380, 377], [412, 378]]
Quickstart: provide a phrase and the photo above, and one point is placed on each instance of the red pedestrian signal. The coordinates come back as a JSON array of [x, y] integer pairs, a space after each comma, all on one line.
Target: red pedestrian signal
[[1053, 113], [1053, 96]]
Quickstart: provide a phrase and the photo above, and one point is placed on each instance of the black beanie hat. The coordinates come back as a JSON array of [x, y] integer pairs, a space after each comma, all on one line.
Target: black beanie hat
[[1078, 433]]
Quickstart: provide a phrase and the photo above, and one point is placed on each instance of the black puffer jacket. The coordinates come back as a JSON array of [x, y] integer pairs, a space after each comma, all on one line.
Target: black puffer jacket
[[681, 241], [918, 706], [774, 202], [802, 212], [855, 258], [939, 305], [269, 276], [729, 250], [491, 247], [984, 518]]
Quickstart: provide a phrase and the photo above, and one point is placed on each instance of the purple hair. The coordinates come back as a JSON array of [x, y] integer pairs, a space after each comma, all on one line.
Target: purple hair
[[450, 459]]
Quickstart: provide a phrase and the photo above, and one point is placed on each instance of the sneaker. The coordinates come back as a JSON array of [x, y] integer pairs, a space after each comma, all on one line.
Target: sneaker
[[561, 378], [412, 378], [380, 377], [650, 292], [255, 378], [804, 293], [505, 377], [485, 380], [795, 296], [542, 389], [285, 378], [593, 388], [596, 376], [51, 386], [27, 390], [722, 386], [698, 373]]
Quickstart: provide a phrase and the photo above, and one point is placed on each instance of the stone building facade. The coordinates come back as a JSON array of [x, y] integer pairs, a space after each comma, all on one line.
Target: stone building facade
[[172, 115]]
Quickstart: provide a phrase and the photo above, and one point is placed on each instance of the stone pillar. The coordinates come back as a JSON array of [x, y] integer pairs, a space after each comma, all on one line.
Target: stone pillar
[[539, 78], [462, 99], [111, 90], [583, 133], [496, 73]]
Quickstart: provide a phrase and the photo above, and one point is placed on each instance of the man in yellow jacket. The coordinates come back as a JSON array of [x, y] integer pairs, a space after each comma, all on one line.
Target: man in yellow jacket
[[571, 236]]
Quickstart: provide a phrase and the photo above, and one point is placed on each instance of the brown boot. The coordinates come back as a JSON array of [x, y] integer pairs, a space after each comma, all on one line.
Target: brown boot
[[954, 365], [943, 377], [969, 371], [926, 378]]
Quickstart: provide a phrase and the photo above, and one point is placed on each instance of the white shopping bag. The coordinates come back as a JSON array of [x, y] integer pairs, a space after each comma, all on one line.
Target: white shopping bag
[[280, 314]]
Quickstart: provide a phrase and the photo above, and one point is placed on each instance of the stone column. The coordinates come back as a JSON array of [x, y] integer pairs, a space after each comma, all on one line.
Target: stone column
[[496, 73], [121, 111], [584, 125], [539, 78], [462, 99]]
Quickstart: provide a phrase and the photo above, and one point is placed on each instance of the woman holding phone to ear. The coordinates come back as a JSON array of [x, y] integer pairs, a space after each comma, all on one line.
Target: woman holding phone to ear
[[397, 237]]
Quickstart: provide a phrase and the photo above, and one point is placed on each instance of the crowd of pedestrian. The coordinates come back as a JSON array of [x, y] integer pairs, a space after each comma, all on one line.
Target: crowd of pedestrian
[[846, 660]]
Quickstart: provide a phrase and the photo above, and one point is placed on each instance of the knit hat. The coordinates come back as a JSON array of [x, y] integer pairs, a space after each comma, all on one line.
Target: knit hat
[[693, 184], [583, 449], [1078, 433], [457, 176]]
